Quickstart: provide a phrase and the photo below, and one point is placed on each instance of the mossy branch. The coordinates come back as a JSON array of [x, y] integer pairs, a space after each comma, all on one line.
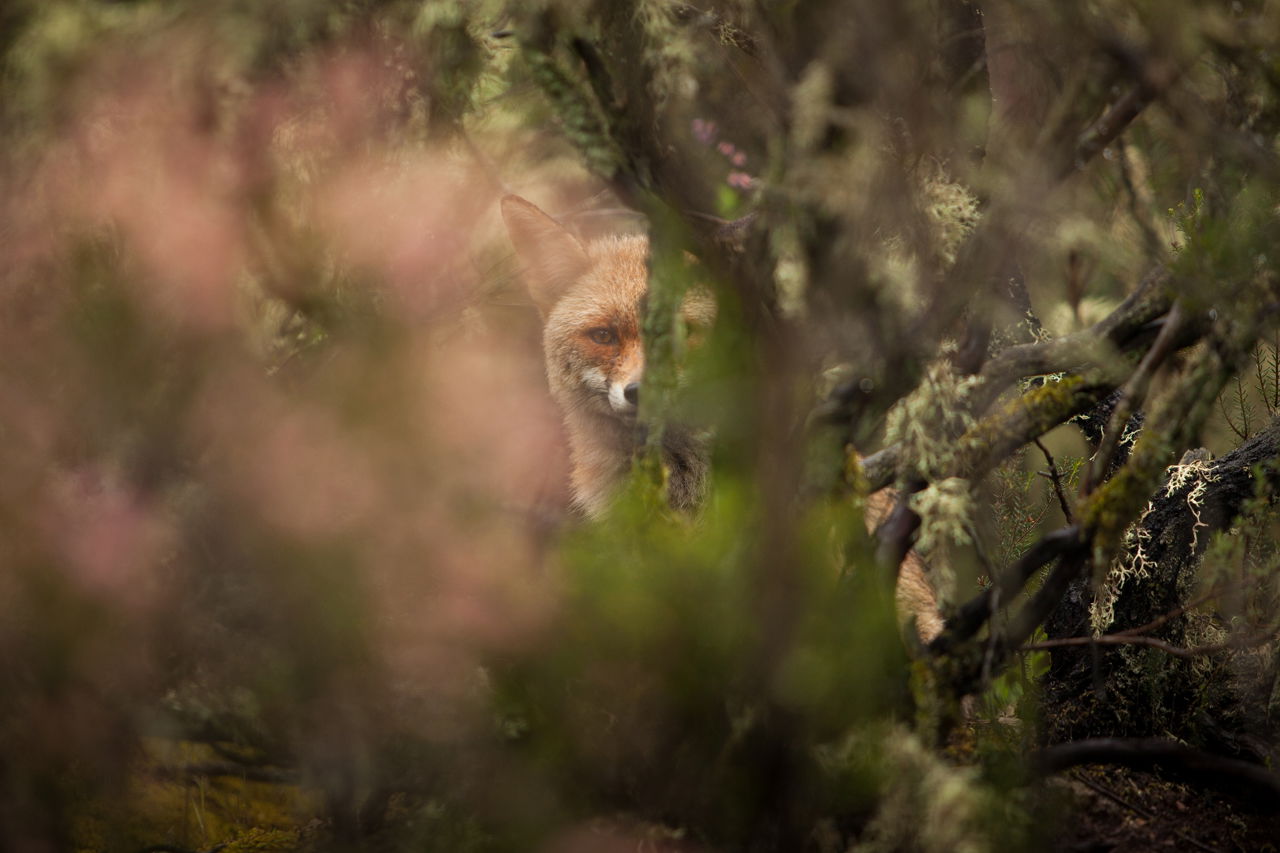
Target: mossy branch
[[1133, 394], [1030, 415], [1179, 415], [1021, 420], [1130, 326], [1126, 328]]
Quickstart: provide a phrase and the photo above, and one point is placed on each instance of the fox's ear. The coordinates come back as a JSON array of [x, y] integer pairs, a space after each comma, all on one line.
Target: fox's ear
[[551, 256]]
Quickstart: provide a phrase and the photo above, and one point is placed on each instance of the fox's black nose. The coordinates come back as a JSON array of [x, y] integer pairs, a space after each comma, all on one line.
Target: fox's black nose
[[632, 393]]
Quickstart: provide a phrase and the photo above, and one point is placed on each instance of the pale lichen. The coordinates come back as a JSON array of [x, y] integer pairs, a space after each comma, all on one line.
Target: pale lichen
[[953, 211], [811, 101], [925, 422], [1133, 563], [946, 511]]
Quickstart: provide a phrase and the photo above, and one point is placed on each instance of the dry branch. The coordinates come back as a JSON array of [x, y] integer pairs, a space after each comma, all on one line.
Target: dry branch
[[1128, 639], [1149, 753], [971, 616]]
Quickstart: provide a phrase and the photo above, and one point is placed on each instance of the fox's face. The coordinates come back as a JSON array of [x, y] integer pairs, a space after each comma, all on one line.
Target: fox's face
[[591, 297]]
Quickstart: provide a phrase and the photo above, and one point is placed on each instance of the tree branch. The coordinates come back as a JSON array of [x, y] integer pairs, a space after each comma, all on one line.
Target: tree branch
[[1133, 639], [1030, 415], [894, 535], [1056, 480], [1112, 123], [1124, 329], [976, 612], [1132, 395], [1149, 753]]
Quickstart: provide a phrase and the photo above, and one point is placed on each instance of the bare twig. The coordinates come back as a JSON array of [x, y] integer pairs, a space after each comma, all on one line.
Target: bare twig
[[1112, 123], [1104, 791], [1052, 473], [1156, 643]]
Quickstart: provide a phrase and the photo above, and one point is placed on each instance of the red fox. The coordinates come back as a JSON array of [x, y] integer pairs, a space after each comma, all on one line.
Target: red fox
[[591, 298]]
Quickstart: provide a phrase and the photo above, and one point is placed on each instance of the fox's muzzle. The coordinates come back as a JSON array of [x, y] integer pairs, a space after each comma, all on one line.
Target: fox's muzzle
[[624, 398]]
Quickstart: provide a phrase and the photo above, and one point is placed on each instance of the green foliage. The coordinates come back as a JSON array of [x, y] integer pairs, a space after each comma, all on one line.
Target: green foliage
[[1024, 500]]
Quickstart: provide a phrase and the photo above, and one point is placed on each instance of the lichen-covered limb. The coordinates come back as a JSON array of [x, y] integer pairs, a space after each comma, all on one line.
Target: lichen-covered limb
[[880, 467], [1123, 329], [1021, 420], [1170, 536], [1175, 420], [1170, 529], [1126, 328], [1178, 416], [1031, 415], [1172, 548]]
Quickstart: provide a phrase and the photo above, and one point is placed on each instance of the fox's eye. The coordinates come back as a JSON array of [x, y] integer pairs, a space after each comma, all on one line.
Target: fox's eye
[[604, 337]]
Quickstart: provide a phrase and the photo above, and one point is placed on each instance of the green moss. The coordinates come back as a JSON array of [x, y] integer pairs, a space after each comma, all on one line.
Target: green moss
[[1114, 505], [1026, 417], [160, 805]]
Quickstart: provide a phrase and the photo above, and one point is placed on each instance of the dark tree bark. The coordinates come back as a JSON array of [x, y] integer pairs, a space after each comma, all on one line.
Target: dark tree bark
[[1137, 691]]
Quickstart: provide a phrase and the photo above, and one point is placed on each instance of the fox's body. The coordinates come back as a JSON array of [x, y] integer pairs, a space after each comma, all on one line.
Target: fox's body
[[591, 298]]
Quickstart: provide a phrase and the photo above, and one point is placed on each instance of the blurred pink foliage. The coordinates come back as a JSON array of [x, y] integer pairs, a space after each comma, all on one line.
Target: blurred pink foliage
[[401, 220], [140, 158], [110, 539], [152, 458]]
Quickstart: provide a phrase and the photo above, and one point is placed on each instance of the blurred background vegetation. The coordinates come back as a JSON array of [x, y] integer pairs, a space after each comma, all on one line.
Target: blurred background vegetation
[[287, 555]]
